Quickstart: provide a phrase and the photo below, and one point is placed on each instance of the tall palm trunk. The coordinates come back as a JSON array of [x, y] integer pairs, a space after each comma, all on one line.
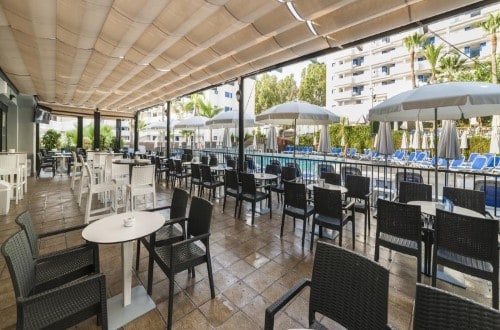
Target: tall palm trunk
[[412, 68], [494, 78]]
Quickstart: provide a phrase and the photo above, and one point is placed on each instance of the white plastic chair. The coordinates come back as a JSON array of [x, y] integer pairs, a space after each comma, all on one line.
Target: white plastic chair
[[13, 172], [107, 189], [141, 183], [77, 170]]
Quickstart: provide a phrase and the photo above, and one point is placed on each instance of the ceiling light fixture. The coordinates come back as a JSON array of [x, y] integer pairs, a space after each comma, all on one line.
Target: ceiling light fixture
[[311, 27], [292, 10]]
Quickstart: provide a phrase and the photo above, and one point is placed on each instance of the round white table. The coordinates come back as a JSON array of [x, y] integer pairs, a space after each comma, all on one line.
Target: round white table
[[430, 209], [265, 176], [328, 186], [110, 230]]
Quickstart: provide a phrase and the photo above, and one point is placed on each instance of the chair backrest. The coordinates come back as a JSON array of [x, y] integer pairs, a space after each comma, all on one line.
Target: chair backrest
[[231, 163], [399, 220], [340, 284], [143, 175], [213, 161], [457, 162], [439, 309], [467, 236], [325, 168], [479, 163], [26, 224], [231, 179], [178, 166], [411, 191], [357, 186], [409, 177], [328, 202], [204, 160], [411, 157], [17, 253], [470, 199], [295, 195], [248, 183], [472, 156], [273, 169], [200, 216], [332, 178], [178, 207], [349, 170], [171, 165], [88, 173], [288, 173], [195, 171], [206, 173]]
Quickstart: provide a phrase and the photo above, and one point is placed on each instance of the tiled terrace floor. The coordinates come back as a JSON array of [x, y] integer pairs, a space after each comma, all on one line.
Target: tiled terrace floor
[[252, 267]]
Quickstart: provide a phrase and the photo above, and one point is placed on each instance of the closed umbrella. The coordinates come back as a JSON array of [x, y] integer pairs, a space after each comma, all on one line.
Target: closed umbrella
[[404, 141], [342, 141], [254, 142], [324, 140], [297, 113], [463, 141], [495, 135], [425, 138], [192, 123], [453, 100], [385, 144], [375, 141], [448, 147], [272, 140], [226, 139]]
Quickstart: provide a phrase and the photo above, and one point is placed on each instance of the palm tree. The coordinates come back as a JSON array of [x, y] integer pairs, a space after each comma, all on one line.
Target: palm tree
[[451, 65], [194, 102], [431, 54], [492, 26], [180, 109], [413, 42], [207, 109]]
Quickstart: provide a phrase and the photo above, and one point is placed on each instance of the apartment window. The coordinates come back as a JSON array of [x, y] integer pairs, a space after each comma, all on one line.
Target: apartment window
[[386, 39], [216, 92], [420, 59], [228, 95], [475, 52], [481, 45], [467, 28], [420, 77], [467, 50], [358, 102], [341, 76], [475, 13], [356, 90], [388, 82], [385, 69], [357, 73], [227, 108], [388, 50]]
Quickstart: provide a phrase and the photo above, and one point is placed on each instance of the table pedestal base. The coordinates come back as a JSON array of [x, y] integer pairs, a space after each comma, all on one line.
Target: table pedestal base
[[118, 315]]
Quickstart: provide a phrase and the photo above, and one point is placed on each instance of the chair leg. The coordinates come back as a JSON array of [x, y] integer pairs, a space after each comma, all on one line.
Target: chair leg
[[434, 271], [170, 300], [253, 212], [282, 224], [210, 276], [239, 213], [377, 248], [150, 273], [236, 206], [419, 266], [353, 234], [224, 203], [312, 236], [304, 232], [494, 287]]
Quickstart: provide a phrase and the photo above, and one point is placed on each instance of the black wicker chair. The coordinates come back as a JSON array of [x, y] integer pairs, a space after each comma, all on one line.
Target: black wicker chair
[[45, 162], [470, 199], [231, 188], [345, 287], [329, 213], [181, 173], [407, 177], [399, 228], [412, 191], [358, 189], [209, 181], [160, 168], [332, 178], [288, 173], [195, 178], [62, 266], [171, 172], [296, 206], [349, 170], [467, 244], [58, 307], [438, 309], [249, 193], [187, 254], [169, 233]]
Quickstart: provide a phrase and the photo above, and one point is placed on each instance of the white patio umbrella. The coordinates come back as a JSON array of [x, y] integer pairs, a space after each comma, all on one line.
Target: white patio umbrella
[[375, 141], [448, 147], [495, 135], [272, 139], [463, 141], [404, 141], [385, 144], [416, 140], [191, 124], [342, 141], [324, 140], [425, 138], [452, 100], [431, 142], [254, 142], [226, 139], [297, 113]]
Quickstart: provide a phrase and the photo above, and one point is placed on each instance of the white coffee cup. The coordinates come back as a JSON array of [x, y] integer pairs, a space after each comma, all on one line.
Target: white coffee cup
[[129, 222]]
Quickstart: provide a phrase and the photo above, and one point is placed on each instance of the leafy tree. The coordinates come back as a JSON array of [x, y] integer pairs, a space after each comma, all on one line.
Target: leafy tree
[[266, 94], [50, 139], [287, 89], [194, 104], [180, 109], [492, 26], [432, 54], [313, 84], [413, 42], [207, 109], [451, 65]]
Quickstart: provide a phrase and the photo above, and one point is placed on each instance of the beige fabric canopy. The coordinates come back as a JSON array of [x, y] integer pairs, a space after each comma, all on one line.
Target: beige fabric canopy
[[124, 55]]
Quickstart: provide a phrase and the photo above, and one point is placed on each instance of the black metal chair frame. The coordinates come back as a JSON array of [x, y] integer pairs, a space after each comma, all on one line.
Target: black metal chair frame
[[181, 173], [209, 181], [329, 213], [186, 254], [358, 188], [341, 283], [231, 188], [296, 206], [160, 169], [45, 162], [469, 245], [195, 178], [413, 191], [288, 173], [249, 193], [169, 233], [399, 228]]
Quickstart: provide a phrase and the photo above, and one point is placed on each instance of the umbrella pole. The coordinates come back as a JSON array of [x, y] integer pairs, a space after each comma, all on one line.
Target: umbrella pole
[[294, 138], [436, 188]]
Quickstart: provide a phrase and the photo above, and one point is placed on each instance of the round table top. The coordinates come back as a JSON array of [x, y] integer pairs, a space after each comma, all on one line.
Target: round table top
[[430, 209], [265, 176], [328, 186], [220, 167], [132, 161], [111, 229]]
